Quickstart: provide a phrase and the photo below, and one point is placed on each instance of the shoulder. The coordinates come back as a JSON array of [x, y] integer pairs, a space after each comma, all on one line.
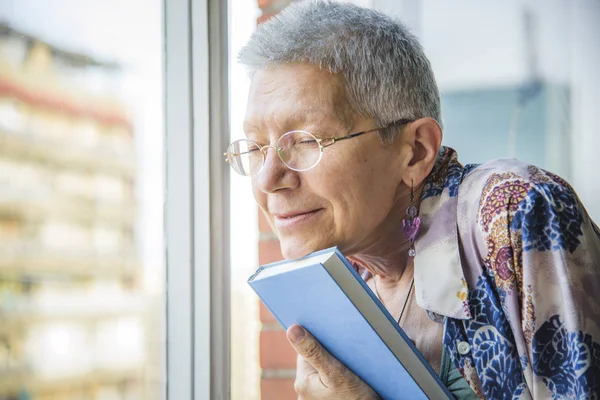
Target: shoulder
[[498, 173], [525, 205]]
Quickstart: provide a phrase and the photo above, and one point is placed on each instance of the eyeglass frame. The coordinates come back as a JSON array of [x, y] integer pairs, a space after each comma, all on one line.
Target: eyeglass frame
[[320, 142]]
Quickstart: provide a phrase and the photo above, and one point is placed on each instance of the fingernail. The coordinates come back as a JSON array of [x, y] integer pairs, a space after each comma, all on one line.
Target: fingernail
[[297, 333]]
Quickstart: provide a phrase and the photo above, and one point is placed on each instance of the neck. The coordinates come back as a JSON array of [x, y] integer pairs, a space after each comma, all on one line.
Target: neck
[[385, 253]]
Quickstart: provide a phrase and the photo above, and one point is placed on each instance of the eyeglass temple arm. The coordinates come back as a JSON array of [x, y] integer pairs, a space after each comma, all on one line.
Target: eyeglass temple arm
[[240, 153], [330, 141]]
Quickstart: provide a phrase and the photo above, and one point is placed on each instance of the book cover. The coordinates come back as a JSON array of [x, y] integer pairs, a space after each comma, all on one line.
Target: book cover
[[323, 293]]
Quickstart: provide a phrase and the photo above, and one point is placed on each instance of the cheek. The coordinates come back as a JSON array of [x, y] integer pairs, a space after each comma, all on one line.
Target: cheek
[[259, 196], [366, 201]]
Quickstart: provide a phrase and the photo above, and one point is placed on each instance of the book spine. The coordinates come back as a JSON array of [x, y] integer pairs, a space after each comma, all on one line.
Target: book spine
[[254, 275]]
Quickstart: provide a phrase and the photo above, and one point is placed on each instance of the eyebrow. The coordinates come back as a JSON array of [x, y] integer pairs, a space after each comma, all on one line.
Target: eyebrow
[[312, 118]]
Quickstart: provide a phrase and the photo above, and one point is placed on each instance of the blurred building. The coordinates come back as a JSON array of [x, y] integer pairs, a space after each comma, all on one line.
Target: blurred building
[[73, 319]]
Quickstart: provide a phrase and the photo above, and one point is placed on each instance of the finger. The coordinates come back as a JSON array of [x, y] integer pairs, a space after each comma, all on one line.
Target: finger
[[305, 374], [303, 368], [311, 351]]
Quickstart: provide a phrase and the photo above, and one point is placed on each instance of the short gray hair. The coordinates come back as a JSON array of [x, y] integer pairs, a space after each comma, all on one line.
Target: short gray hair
[[385, 72]]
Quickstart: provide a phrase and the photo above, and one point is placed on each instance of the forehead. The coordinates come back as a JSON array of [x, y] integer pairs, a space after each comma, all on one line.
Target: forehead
[[288, 97]]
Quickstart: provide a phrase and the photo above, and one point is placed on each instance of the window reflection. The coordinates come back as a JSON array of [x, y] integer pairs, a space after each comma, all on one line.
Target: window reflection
[[80, 200]]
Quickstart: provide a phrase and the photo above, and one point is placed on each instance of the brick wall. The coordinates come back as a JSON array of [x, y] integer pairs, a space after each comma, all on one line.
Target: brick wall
[[277, 357], [268, 8]]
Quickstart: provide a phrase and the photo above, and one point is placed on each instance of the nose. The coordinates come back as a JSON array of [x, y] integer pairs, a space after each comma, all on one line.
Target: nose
[[274, 175]]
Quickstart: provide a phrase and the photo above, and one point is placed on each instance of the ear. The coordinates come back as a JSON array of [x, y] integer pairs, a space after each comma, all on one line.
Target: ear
[[425, 136]]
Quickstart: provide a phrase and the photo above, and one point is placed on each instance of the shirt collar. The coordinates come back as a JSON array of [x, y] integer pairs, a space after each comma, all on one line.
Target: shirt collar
[[440, 284]]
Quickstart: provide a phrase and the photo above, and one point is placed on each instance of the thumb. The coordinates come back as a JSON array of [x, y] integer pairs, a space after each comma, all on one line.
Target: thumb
[[311, 350]]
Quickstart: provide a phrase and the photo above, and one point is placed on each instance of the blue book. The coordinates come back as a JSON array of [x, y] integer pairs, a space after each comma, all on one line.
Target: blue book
[[323, 293]]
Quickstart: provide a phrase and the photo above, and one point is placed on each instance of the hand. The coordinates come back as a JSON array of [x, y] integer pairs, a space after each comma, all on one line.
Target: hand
[[321, 376]]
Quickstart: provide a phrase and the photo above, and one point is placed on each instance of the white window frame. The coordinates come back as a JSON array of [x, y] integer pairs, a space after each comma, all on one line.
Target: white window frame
[[197, 348]]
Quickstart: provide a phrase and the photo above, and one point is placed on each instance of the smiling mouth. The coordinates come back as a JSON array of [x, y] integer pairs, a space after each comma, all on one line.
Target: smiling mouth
[[296, 218]]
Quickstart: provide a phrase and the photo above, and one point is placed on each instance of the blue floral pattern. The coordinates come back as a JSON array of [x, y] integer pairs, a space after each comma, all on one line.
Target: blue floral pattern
[[549, 218], [494, 355], [445, 175], [469, 168], [568, 362], [526, 278]]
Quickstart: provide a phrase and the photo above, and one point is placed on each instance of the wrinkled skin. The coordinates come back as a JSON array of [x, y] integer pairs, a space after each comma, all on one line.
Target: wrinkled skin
[[321, 376]]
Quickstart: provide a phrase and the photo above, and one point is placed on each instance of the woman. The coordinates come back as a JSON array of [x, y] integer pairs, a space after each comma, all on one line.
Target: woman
[[490, 269]]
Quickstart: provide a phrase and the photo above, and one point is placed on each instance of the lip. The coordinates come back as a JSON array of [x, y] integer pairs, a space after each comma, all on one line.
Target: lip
[[287, 220]]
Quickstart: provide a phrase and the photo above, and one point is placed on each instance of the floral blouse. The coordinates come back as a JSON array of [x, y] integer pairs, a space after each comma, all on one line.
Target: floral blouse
[[509, 259]]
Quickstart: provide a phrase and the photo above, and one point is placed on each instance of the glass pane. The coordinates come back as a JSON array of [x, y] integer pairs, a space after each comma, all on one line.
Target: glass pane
[[81, 193], [245, 324]]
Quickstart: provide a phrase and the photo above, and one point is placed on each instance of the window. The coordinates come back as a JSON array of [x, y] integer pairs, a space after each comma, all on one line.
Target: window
[[81, 198], [197, 212], [114, 113], [245, 325]]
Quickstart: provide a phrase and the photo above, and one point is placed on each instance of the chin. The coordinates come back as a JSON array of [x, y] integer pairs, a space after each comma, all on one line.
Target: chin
[[291, 252], [292, 248]]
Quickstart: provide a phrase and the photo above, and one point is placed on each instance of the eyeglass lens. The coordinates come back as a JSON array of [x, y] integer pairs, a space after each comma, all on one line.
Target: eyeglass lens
[[298, 150]]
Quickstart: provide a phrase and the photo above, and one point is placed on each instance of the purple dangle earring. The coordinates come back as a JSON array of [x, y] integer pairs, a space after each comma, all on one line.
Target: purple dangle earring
[[411, 224]]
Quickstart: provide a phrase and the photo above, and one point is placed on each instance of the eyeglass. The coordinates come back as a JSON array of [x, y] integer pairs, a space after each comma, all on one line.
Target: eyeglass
[[298, 150]]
